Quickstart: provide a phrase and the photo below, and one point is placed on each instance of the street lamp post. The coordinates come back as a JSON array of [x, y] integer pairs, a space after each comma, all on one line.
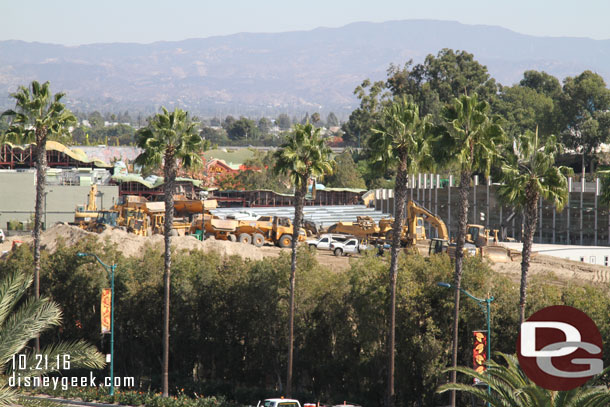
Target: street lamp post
[[110, 270], [487, 310]]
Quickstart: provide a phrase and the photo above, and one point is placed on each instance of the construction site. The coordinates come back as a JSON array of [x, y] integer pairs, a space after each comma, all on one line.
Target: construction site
[[88, 197]]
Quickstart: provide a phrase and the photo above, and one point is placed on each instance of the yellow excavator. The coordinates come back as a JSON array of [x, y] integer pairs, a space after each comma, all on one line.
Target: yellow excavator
[[480, 241], [84, 214], [413, 230]]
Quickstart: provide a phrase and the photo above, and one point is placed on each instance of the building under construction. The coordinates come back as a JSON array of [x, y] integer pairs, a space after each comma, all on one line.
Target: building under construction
[[583, 221]]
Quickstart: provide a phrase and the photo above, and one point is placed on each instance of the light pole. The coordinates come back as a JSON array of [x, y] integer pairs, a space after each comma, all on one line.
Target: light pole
[[487, 310], [110, 270]]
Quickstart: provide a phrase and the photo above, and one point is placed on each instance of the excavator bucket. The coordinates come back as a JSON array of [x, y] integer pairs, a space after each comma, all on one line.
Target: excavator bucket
[[496, 253]]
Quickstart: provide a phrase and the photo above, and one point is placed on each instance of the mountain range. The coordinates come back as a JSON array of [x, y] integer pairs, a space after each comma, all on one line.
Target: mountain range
[[263, 74]]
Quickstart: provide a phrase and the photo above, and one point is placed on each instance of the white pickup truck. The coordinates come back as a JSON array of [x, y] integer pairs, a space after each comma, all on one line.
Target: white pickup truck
[[282, 402], [324, 241], [350, 246]]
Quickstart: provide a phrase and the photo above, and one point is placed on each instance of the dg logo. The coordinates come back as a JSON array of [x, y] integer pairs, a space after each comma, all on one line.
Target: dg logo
[[560, 348]]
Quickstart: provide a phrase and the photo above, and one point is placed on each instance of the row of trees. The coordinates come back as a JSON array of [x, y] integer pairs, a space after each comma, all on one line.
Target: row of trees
[[471, 141], [229, 319], [577, 111]]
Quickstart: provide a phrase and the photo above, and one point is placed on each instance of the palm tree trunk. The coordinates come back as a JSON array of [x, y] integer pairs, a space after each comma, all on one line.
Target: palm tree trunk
[[459, 264], [41, 166], [531, 220], [299, 198], [401, 197], [168, 191]]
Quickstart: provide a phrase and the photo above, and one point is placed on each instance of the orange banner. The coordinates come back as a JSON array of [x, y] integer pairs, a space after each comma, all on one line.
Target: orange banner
[[479, 352], [106, 309]]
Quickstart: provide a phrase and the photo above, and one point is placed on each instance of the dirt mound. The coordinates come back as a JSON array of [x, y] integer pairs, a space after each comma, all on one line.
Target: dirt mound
[[133, 246]]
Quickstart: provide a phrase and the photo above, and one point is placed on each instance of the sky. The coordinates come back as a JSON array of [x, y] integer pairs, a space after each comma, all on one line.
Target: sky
[[75, 22]]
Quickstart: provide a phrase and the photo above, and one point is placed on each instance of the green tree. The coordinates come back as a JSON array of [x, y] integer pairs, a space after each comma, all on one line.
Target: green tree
[[585, 105], [400, 140], [528, 174], [331, 120], [242, 129], [345, 173], [304, 155], [542, 83], [283, 121], [228, 122], [169, 138], [511, 387], [315, 118], [524, 109], [373, 96], [21, 321], [218, 136], [259, 174], [469, 139], [264, 125], [96, 120], [38, 117], [441, 78]]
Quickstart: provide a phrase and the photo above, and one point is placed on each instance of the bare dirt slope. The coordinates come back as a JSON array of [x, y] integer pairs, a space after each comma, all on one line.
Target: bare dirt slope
[[564, 269], [132, 245]]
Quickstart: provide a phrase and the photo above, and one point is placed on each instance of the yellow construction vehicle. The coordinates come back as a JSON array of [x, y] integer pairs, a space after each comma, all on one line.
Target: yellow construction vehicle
[[487, 242], [271, 229], [481, 236], [364, 228], [266, 229], [104, 220], [84, 214], [413, 230]]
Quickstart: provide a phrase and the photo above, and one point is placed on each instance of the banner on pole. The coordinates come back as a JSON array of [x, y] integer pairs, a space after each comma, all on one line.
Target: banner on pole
[[479, 352], [106, 309]]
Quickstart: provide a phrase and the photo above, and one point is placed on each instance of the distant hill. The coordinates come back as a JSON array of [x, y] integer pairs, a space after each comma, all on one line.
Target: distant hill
[[258, 74]]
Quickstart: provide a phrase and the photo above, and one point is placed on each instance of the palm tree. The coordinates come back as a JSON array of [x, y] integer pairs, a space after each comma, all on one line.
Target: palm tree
[[38, 117], [511, 387], [470, 140], [303, 155], [529, 173], [400, 140], [169, 138], [21, 321]]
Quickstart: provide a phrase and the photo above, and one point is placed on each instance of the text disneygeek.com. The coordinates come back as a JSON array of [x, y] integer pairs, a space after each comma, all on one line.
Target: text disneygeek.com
[[27, 371]]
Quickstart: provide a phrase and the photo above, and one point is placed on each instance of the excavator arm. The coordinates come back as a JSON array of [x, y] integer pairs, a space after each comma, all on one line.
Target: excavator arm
[[414, 210]]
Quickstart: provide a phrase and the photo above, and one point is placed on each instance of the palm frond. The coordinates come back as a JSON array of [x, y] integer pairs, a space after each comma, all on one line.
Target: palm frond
[[27, 322]]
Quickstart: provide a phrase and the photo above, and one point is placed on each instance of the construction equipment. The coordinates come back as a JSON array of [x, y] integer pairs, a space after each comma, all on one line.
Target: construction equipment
[[266, 229], [414, 231], [271, 229], [364, 228], [83, 214], [486, 241], [416, 216], [480, 236], [104, 220]]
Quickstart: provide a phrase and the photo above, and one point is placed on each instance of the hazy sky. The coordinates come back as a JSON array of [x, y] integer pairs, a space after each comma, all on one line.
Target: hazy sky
[[74, 22]]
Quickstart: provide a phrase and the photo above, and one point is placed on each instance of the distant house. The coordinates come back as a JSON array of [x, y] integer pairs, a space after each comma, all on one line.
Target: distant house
[[216, 169]]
